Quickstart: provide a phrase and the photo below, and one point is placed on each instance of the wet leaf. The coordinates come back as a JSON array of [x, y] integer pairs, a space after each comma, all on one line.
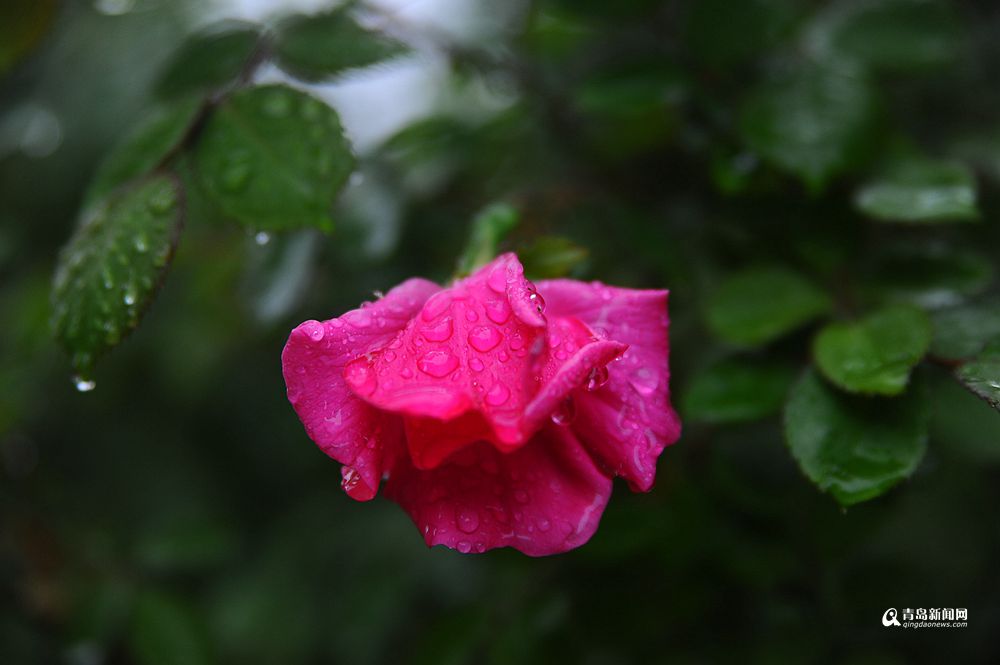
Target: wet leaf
[[318, 47], [982, 375], [109, 271], [875, 354], [274, 158], [921, 192], [208, 61], [814, 122], [759, 305], [962, 332], [144, 147], [855, 448]]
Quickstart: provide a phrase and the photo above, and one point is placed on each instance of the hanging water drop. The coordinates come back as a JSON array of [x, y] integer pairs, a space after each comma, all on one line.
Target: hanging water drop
[[83, 385], [262, 238], [564, 414], [597, 378]]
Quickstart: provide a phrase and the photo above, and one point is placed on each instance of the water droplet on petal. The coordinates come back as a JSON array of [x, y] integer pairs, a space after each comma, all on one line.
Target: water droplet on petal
[[467, 520], [521, 497], [436, 305], [538, 301], [438, 364], [644, 380], [471, 316], [476, 364], [83, 385], [498, 394], [498, 311], [544, 524], [464, 546], [498, 278], [564, 414], [439, 332], [597, 378], [349, 478], [484, 338], [360, 376]]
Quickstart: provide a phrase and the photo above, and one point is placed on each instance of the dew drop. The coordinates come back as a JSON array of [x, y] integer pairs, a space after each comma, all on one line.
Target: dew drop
[[565, 413], [439, 332], [544, 524], [435, 306], [538, 301], [484, 338], [129, 298], [498, 394], [644, 380], [597, 378], [140, 244], [471, 316], [360, 376], [498, 279], [516, 342], [83, 385], [438, 364], [464, 546], [467, 520], [476, 364], [315, 330], [349, 478], [262, 238], [498, 311]]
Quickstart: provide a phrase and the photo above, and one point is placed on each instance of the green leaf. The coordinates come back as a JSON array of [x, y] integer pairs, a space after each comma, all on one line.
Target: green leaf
[[166, 631], [489, 228], [274, 158], [932, 275], [921, 192], [962, 332], [550, 257], [209, 61], [738, 389], [856, 448], [111, 268], [982, 375], [889, 35], [814, 123], [761, 304], [874, 355], [144, 147], [318, 47]]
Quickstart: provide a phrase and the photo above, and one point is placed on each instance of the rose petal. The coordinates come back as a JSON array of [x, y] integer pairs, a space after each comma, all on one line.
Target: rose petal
[[544, 498], [626, 423], [480, 362], [313, 363]]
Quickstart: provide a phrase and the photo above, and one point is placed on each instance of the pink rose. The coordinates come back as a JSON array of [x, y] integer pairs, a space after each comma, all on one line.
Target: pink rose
[[496, 414]]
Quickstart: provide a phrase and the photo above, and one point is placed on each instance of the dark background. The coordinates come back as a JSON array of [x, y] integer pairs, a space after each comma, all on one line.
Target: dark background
[[179, 514]]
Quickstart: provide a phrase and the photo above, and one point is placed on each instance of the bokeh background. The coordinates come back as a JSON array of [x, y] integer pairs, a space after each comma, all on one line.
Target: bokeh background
[[179, 514]]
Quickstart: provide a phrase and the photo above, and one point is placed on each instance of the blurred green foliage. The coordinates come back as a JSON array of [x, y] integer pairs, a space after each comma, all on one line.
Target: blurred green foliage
[[792, 171]]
